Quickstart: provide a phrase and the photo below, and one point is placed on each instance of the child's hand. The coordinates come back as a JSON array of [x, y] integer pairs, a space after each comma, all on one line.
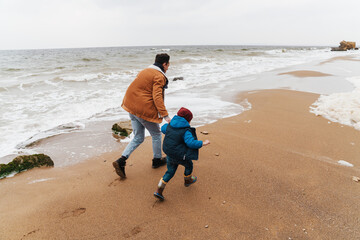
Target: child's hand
[[206, 142]]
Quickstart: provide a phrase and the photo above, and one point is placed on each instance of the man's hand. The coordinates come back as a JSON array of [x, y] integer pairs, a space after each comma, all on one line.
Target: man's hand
[[167, 118], [206, 142]]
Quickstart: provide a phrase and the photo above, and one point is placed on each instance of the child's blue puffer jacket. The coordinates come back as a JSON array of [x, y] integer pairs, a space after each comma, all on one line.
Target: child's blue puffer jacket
[[180, 141]]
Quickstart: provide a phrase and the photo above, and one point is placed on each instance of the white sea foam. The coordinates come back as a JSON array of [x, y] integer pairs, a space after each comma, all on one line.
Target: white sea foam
[[345, 163], [81, 78], [343, 108], [40, 180], [205, 109], [12, 174]]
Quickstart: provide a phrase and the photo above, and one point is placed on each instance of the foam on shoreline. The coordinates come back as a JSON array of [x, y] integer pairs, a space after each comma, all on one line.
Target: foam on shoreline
[[342, 107]]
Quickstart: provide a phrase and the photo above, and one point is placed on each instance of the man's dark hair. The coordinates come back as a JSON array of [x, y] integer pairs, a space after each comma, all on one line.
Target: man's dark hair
[[162, 58]]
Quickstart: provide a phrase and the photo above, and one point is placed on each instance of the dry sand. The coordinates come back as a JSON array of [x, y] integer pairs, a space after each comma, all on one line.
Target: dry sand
[[276, 177]]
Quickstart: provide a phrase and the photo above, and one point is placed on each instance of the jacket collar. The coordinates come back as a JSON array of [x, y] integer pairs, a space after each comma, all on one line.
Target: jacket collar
[[159, 69]]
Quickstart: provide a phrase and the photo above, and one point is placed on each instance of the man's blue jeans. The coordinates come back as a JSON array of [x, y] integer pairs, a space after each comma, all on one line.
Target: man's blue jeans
[[172, 166], [139, 125]]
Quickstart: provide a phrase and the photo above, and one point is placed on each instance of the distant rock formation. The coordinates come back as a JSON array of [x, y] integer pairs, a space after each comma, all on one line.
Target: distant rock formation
[[122, 129], [344, 46], [25, 162]]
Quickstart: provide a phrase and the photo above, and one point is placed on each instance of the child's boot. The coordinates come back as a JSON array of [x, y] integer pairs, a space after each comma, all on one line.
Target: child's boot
[[189, 180], [160, 190]]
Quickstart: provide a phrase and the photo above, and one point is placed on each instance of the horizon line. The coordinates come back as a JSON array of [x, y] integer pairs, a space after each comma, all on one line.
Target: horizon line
[[169, 45]]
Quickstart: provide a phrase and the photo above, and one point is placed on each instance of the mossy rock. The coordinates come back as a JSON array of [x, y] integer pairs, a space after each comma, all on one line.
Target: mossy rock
[[25, 162], [122, 129]]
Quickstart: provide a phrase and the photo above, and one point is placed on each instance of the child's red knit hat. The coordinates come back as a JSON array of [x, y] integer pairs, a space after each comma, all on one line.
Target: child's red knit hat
[[185, 113]]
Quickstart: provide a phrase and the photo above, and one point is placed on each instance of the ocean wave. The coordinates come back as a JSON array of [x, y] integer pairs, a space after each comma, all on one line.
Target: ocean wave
[[81, 66], [186, 60], [193, 60], [97, 77], [161, 49], [4, 89], [13, 69], [25, 86], [37, 138], [275, 51], [17, 86], [80, 78], [254, 54], [90, 60], [49, 82]]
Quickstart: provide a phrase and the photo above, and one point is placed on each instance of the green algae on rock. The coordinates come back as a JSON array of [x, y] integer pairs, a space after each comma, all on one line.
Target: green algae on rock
[[122, 129], [25, 162]]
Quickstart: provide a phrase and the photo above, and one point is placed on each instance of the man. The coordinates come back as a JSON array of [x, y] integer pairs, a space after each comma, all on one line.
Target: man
[[144, 100]]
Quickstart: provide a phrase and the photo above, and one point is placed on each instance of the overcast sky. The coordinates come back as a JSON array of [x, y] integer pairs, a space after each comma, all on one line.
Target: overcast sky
[[100, 23]]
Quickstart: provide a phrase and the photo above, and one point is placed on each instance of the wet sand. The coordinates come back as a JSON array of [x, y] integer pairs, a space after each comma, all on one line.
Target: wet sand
[[339, 58], [306, 73], [269, 173]]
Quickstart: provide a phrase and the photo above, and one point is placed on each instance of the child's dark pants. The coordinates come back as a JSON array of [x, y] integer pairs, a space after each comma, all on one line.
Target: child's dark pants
[[172, 166]]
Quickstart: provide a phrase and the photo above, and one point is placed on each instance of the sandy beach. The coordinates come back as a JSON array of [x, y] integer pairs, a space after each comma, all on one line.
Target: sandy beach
[[272, 89], [269, 173]]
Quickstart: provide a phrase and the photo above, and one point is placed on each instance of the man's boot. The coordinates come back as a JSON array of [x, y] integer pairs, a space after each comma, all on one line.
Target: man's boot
[[160, 189], [119, 166], [158, 162], [189, 180]]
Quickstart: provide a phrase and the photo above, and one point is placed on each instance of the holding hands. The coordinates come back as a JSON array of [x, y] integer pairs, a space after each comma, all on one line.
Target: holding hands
[[167, 118]]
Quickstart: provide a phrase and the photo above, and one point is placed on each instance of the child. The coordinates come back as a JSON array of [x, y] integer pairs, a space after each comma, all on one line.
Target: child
[[181, 147]]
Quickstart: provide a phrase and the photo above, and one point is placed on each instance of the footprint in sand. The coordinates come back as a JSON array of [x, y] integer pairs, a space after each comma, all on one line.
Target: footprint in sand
[[73, 213], [78, 212], [30, 233], [133, 232], [115, 182]]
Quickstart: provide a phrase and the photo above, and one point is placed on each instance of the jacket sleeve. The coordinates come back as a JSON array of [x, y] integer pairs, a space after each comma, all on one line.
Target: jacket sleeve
[[191, 142], [163, 128], [158, 94]]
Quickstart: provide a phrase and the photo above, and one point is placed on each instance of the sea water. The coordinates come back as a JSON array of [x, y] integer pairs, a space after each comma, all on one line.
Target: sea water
[[56, 91]]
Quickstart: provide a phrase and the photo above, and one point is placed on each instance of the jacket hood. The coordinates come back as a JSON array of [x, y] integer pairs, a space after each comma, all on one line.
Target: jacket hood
[[179, 122]]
